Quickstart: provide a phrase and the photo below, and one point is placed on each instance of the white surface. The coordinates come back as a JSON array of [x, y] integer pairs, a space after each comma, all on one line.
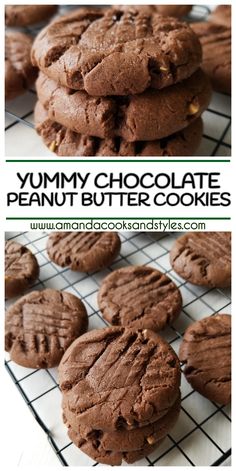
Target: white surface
[[27, 444], [41, 387]]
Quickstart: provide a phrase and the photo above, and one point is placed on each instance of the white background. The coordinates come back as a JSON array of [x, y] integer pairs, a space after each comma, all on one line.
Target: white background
[[104, 211]]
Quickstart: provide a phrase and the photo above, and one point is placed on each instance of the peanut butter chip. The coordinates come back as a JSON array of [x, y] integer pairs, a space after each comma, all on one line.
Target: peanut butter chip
[[151, 440], [193, 108], [52, 146]]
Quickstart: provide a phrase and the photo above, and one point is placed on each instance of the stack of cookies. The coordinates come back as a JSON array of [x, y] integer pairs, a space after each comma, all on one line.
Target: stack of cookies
[[121, 393], [119, 81]]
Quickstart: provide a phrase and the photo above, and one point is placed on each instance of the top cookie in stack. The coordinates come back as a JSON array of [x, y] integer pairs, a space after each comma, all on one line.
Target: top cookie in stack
[[121, 74]]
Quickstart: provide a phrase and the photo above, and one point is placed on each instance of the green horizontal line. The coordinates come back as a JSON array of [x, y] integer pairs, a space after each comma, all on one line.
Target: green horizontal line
[[117, 218], [123, 160]]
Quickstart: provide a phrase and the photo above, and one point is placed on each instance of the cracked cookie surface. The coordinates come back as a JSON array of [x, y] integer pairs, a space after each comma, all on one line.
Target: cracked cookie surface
[[118, 378], [21, 269], [19, 72], [139, 297], [67, 143], [41, 325], [152, 115], [83, 251], [206, 354], [116, 52], [203, 258]]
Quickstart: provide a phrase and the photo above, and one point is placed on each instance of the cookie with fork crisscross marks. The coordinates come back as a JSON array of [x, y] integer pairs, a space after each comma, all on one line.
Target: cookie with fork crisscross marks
[[141, 297], [203, 258], [206, 354], [83, 251], [41, 325], [119, 378], [116, 51], [21, 269], [217, 65]]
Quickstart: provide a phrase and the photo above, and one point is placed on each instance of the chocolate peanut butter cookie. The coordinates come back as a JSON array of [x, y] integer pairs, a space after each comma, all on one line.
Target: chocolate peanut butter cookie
[[26, 15], [118, 378], [94, 450], [116, 52], [203, 258], [19, 72], [41, 325], [140, 297], [67, 143], [216, 46], [83, 251], [127, 440], [206, 354], [178, 11], [151, 115], [221, 15], [21, 269]]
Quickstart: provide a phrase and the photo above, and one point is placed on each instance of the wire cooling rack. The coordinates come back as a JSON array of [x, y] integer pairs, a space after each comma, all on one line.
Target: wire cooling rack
[[22, 140], [202, 435]]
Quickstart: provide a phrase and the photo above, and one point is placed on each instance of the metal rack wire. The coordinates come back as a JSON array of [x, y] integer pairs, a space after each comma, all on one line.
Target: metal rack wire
[[19, 116], [202, 433]]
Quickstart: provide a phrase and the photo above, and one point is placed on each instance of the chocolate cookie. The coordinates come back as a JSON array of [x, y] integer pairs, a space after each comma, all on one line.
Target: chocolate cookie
[[140, 297], [178, 11], [221, 15], [67, 143], [203, 258], [127, 440], [117, 378], [114, 458], [216, 45], [19, 72], [116, 52], [26, 15], [206, 354], [173, 10], [41, 325], [83, 251], [151, 115], [21, 269]]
